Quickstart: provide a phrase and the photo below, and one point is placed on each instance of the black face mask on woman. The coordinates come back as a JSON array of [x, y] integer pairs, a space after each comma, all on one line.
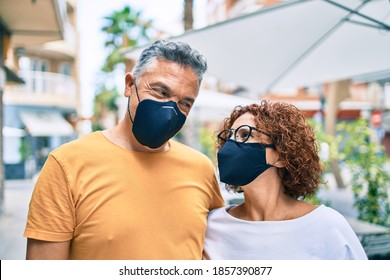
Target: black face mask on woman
[[156, 122], [241, 163]]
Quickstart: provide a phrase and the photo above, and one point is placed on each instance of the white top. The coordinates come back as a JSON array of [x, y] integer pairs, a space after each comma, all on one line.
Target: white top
[[321, 234]]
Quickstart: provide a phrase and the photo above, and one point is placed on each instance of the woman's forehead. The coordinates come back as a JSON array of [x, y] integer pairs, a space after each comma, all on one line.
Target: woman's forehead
[[246, 118]]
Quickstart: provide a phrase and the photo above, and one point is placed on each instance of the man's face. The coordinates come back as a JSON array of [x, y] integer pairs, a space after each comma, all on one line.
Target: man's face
[[163, 81]]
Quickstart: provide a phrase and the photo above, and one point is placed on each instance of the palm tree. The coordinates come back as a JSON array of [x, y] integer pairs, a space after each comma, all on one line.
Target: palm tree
[[188, 14], [105, 109], [124, 28]]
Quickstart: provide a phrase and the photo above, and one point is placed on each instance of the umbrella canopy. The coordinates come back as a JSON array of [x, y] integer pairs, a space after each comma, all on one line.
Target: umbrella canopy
[[297, 43], [215, 106]]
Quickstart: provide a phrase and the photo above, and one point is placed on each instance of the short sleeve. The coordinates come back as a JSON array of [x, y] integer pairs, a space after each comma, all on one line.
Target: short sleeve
[[51, 215], [217, 199]]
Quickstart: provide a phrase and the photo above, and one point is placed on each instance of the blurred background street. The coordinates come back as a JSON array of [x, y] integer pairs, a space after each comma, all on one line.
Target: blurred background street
[[62, 67]]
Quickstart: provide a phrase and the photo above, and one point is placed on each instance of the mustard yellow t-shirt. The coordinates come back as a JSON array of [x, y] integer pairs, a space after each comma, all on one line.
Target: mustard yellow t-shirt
[[115, 203]]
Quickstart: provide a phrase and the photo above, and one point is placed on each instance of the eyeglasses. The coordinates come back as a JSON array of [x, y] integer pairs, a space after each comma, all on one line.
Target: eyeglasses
[[241, 135]]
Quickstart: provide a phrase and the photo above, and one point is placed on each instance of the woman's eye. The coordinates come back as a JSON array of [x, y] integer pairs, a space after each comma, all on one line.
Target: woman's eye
[[244, 134]]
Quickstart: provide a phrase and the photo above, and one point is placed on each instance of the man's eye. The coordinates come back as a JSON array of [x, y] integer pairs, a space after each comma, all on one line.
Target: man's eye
[[185, 107], [186, 104], [161, 92]]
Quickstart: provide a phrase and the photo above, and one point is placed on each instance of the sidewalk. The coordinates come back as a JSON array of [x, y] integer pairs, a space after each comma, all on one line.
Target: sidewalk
[[17, 195]]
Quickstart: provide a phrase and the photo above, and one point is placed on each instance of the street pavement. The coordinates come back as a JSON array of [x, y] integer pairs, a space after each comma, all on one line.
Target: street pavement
[[17, 194]]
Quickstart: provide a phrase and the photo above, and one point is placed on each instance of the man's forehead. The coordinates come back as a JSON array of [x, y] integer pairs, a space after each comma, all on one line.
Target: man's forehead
[[157, 64]]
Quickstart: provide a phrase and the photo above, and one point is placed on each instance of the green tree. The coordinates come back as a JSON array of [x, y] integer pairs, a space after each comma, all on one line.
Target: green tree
[[24, 149], [367, 161], [123, 29], [353, 147], [207, 141], [328, 151], [104, 107]]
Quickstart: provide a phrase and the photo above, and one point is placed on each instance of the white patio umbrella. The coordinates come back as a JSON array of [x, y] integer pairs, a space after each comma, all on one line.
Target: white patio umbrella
[[297, 43], [215, 106]]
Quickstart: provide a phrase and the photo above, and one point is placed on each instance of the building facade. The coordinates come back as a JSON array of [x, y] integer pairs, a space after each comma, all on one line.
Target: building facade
[[41, 108]]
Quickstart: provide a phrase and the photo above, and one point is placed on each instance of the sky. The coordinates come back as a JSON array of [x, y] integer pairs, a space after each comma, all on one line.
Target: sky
[[166, 15]]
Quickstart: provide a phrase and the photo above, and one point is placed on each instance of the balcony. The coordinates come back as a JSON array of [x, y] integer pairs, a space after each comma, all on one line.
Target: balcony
[[33, 22], [43, 89], [66, 48]]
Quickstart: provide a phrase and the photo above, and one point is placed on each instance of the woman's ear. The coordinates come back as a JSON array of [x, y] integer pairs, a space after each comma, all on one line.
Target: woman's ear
[[280, 164]]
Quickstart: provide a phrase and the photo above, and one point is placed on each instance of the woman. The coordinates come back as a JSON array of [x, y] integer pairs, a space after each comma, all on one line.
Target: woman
[[269, 152]]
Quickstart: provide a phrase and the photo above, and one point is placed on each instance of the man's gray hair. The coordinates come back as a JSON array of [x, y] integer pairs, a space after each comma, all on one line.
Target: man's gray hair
[[178, 52]]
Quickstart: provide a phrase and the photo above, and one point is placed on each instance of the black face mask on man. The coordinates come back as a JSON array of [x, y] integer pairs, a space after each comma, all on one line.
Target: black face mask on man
[[241, 163], [156, 122]]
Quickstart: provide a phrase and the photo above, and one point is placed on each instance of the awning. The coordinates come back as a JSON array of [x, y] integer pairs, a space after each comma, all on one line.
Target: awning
[[46, 123], [33, 23], [295, 44], [13, 132], [12, 77]]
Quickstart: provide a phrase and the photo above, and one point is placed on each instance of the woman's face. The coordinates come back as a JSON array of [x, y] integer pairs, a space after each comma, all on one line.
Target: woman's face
[[255, 137]]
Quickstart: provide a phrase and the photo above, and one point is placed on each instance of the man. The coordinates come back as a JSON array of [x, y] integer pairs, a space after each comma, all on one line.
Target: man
[[130, 192]]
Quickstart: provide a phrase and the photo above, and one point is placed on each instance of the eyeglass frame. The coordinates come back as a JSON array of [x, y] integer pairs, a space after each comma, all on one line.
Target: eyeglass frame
[[251, 128]]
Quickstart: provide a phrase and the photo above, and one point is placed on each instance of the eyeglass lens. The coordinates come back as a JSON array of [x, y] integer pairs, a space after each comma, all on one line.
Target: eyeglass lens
[[241, 134]]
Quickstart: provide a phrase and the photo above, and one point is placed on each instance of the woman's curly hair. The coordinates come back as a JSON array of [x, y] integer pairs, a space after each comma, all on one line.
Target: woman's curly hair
[[294, 140]]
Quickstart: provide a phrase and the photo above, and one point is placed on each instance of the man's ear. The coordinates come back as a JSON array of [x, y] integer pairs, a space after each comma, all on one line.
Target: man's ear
[[129, 82]]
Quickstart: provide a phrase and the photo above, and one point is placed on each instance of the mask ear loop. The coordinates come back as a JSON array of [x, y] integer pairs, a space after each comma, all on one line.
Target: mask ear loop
[[128, 101]]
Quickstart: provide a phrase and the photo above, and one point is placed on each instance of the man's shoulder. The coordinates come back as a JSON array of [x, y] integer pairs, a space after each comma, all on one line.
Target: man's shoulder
[[85, 142]]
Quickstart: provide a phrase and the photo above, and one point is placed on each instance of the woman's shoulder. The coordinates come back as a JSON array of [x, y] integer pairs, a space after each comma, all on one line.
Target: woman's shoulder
[[221, 212], [332, 218], [329, 212]]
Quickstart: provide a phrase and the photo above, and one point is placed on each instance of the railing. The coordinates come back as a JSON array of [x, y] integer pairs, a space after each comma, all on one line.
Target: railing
[[43, 83], [376, 245]]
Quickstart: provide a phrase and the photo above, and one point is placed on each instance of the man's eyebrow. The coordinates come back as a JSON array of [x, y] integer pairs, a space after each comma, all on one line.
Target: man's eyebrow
[[162, 85]]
